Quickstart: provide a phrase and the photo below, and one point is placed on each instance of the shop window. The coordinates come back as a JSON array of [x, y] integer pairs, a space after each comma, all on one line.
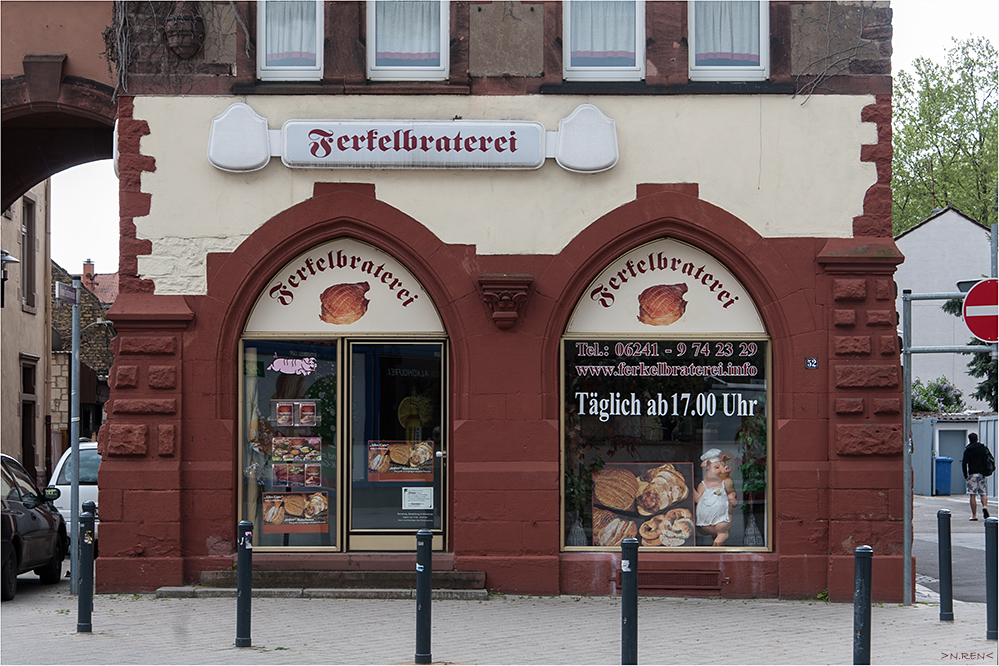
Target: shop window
[[729, 41], [289, 40], [604, 40], [408, 40], [290, 453], [665, 422]]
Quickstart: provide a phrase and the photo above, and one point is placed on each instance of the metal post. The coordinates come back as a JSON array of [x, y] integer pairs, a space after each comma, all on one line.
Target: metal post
[[862, 560], [74, 442], [244, 582], [991, 574], [944, 559], [424, 572], [906, 447], [629, 601], [85, 600]]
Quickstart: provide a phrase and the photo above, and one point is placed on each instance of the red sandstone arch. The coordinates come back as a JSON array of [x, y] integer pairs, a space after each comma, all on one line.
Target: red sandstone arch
[[236, 280], [759, 263], [51, 123]]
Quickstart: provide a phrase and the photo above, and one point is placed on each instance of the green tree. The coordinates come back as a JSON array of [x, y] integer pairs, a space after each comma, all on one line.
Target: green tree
[[981, 366], [945, 137], [938, 395]]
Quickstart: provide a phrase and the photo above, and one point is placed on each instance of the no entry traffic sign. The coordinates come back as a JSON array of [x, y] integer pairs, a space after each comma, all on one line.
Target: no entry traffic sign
[[981, 310]]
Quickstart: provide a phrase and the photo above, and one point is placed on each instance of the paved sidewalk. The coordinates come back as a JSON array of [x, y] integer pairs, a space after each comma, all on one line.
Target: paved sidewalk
[[39, 627]]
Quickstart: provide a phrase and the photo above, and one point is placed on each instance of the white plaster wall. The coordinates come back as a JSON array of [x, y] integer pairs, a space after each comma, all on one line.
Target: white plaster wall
[[938, 254], [786, 167]]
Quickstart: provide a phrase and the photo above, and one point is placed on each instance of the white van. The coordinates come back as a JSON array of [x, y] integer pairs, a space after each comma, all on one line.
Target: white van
[[62, 478]]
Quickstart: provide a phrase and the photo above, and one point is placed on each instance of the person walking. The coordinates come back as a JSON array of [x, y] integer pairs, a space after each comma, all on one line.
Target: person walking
[[976, 464]]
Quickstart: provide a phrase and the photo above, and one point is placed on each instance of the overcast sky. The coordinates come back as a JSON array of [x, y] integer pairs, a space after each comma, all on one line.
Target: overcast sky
[[85, 198]]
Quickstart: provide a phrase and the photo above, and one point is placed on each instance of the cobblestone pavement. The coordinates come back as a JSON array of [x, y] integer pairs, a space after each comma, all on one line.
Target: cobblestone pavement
[[39, 627]]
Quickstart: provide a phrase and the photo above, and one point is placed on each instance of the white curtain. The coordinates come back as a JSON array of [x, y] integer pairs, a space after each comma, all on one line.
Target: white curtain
[[602, 34], [291, 33], [408, 33], [727, 33]]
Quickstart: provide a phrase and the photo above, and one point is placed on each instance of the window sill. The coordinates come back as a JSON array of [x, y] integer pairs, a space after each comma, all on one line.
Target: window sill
[[341, 88]]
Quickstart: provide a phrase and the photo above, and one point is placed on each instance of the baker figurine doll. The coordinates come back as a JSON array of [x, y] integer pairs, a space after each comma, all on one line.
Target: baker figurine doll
[[715, 496]]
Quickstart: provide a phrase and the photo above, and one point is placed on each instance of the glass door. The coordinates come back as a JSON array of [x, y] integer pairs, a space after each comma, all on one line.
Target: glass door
[[289, 443], [397, 449]]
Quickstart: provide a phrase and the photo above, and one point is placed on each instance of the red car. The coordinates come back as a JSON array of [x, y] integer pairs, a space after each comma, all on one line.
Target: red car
[[34, 532]]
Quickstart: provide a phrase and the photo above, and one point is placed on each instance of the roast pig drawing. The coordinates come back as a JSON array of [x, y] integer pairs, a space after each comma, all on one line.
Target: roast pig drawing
[[662, 304], [293, 366]]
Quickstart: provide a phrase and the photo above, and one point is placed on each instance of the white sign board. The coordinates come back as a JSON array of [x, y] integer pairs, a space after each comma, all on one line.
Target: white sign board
[[354, 144], [344, 286], [666, 287]]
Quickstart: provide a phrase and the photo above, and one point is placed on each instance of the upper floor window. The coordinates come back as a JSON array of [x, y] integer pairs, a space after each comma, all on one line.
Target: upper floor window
[[604, 40], [408, 40], [290, 40], [729, 41]]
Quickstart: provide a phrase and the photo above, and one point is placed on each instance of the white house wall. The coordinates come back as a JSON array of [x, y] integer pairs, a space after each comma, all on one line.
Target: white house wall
[[786, 166], [938, 254]]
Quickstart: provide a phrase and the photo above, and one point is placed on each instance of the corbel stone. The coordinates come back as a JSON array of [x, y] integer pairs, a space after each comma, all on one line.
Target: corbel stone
[[506, 296]]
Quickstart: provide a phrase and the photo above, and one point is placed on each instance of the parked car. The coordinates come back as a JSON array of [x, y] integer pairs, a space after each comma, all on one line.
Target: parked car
[[62, 478], [34, 532]]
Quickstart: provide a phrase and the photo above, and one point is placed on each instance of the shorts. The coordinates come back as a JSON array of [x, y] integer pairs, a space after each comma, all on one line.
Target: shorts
[[976, 485]]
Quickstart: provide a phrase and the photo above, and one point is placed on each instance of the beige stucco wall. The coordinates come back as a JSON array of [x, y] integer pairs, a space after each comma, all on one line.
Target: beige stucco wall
[[786, 166], [25, 333]]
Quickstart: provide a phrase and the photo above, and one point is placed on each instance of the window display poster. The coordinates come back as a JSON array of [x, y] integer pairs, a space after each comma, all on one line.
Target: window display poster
[[652, 502], [397, 460], [294, 512], [640, 420]]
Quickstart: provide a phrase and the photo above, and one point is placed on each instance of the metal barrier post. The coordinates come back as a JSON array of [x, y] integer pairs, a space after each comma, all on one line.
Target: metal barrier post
[[629, 601], [991, 575], [946, 571], [424, 571], [244, 582], [85, 600], [862, 560]]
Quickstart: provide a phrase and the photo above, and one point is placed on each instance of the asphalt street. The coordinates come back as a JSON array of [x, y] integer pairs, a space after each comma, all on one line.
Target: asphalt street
[[967, 544]]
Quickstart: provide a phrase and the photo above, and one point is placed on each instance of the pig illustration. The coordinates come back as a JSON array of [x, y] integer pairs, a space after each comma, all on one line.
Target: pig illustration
[[293, 366]]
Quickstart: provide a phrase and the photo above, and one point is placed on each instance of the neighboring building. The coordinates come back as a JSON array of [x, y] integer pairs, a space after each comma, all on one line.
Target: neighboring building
[[940, 251], [515, 273], [938, 435], [24, 323], [95, 357]]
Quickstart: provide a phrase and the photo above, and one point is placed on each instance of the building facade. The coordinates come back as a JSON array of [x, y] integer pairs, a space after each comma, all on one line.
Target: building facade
[[535, 276], [25, 332]]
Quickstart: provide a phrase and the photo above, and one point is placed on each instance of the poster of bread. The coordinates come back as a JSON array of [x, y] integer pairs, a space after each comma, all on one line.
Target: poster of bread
[[295, 512], [390, 460], [652, 502]]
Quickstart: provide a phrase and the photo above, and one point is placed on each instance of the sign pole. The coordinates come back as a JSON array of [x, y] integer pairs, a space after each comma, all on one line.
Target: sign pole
[[74, 442]]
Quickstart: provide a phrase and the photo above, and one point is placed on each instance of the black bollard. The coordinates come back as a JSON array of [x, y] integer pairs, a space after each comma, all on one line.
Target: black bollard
[[991, 575], [424, 571], [85, 600], [629, 601], [244, 582], [946, 571], [862, 560]]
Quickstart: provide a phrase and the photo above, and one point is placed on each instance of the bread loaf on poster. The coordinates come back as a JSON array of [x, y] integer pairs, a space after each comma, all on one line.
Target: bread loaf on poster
[[294, 504], [662, 304], [378, 461], [610, 529], [317, 505], [344, 303], [422, 452], [615, 488], [274, 514], [666, 487], [400, 453], [678, 527]]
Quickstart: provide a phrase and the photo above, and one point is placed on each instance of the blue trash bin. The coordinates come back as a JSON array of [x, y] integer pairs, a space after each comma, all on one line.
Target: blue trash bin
[[942, 485]]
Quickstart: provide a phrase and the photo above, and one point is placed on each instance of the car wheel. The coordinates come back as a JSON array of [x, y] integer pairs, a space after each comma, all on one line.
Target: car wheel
[[9, 580], [51, 573]]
